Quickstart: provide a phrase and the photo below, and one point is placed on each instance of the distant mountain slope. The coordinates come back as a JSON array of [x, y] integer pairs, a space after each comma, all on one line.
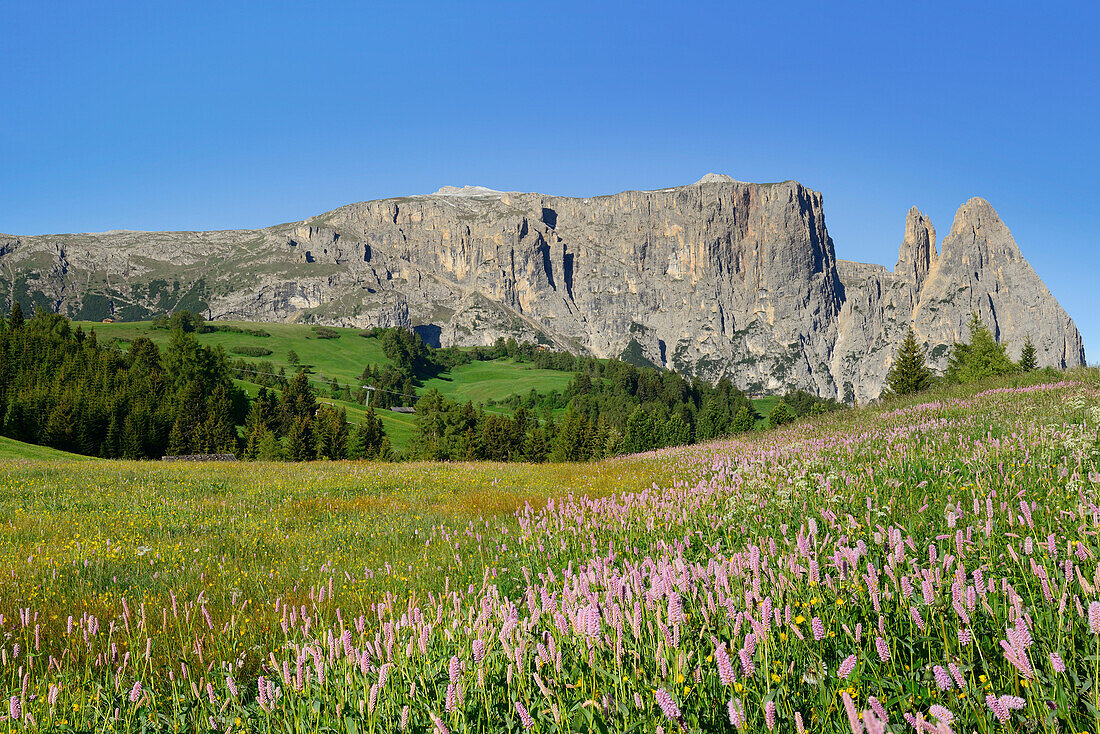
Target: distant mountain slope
[[718, 278]]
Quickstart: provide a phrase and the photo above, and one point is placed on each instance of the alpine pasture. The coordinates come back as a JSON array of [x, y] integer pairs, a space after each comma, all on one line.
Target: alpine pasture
[[925, 565]]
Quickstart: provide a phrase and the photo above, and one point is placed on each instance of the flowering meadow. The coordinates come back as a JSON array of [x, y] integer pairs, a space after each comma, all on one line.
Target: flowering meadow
[[925, 565]]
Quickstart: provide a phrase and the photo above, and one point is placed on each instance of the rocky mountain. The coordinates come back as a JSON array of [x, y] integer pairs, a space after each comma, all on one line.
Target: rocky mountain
[[718, 278]]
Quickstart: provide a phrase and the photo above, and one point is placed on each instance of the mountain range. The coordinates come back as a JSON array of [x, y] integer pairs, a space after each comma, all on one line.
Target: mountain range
[[719, 278]]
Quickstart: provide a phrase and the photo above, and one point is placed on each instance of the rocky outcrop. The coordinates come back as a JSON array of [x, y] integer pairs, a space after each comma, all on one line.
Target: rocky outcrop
[[718, 279]]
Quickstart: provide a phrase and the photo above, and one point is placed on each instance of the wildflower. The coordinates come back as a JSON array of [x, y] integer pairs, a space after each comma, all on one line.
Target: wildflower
[[769, 715], [454, 670], [135, 692], [943, 680], [847, 666], [404, 724], [819, 628], [997, 708], [479, 651], [668, 705], [14, 709], [748, 669], [883, 649], [853, 716], [440, 727], [1056, 663], [736, 713], [1094, 617], [449, 707], [524, 717], [941, 714], [725, 667], [873, 723]]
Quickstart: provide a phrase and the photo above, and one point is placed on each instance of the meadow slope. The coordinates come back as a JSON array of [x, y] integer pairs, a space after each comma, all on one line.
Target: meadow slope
[[929, 564]]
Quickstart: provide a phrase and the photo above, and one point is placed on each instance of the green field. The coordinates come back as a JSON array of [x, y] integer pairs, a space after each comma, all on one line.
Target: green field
[[344, 359], [933, 558], [480, 382], [12, 449]]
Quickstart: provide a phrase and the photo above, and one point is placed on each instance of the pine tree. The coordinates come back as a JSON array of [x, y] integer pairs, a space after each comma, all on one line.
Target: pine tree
[[299, 440], [908, 374], [981, 357], [781, 414], [534, 450], [1029, 361], [15, 318], [745, 419]]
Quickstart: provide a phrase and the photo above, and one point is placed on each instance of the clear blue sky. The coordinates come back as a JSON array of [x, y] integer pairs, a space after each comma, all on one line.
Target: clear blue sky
[[137, 115]]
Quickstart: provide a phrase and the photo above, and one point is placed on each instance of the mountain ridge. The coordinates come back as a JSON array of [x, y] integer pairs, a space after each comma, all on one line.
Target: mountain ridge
[[719, 278]]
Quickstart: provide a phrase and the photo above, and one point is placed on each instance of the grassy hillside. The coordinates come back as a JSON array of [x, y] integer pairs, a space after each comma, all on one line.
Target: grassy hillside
[[344, 358], [12, 449], [931, 558]]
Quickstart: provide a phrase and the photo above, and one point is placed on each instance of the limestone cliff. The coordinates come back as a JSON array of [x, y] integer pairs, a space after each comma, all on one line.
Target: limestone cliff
[[719, 278]]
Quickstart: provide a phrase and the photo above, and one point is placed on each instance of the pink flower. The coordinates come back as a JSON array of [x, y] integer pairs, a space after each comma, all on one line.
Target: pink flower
[[454, 670], [997, 708], [479, 651], [1094, 617], [847, 666], [818, 627], [668, 705], [737, 715], [883, 649], [440, 727], [1056, 663], [14, 709], [769, 715], [941, 713], [524, 717], [943, 680], [747, 666], [853, 715], [725, 667], [135, 692], [450, 704]]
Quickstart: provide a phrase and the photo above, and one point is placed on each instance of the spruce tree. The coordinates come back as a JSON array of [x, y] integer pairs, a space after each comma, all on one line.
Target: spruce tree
[[15, 318], [981, 357], [781, 414], [1029, 361], [909, 374]]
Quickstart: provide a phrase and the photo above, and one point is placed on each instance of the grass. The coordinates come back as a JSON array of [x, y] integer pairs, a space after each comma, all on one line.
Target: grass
[[480, 382], [344, 359], [11, 449], [934, 558]]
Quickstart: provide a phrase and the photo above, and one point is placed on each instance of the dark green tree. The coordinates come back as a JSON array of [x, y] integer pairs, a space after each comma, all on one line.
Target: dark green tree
[[979, 358], [781, 415], [299, 440], [366, 440], [908, 374], [15, 318], [1029, 361]]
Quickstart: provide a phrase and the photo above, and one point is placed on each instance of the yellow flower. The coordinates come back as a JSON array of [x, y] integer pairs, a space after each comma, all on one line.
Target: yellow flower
[[799, 619], [776, 678], [680, 678], [738, 687]]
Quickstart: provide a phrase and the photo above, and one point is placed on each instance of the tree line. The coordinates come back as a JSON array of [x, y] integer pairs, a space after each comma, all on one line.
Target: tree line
[[970, 361], [62, 387]]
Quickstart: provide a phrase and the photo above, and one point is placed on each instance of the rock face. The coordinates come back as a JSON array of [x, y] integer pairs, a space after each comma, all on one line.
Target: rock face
[[717, 279]]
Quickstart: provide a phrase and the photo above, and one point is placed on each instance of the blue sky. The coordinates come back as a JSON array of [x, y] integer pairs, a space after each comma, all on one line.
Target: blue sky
[[128, 115]]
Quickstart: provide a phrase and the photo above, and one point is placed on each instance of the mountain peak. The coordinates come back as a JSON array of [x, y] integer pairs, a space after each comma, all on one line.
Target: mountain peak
[[466, 191], [715, 178]]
